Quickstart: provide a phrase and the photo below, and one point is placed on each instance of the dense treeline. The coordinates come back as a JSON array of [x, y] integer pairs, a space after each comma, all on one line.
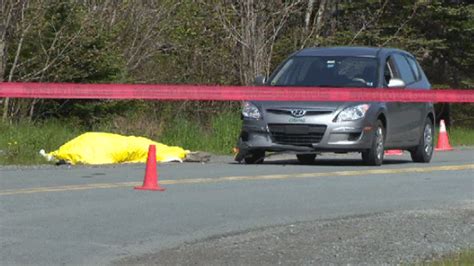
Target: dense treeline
[[214, 42]]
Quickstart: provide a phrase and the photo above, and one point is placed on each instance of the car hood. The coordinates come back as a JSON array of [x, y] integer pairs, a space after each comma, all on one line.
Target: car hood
[[322, 106]]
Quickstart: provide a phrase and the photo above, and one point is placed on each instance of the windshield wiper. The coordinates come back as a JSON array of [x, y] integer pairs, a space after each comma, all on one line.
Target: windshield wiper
[[328, 86], [303, 85]]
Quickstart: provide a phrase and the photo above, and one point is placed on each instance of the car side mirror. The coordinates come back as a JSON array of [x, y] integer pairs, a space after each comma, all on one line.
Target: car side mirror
[[260, 80], [396, 83]]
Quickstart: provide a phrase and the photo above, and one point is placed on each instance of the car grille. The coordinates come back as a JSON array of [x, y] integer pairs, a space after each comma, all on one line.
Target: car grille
[[308, 112], [296, 134]]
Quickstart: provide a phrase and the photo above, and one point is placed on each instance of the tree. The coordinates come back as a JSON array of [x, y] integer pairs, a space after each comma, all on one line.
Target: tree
[[12, 18], [255, 26]]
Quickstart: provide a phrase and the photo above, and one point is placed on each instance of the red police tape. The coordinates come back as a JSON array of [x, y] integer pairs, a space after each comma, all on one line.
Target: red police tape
[[228, 93]]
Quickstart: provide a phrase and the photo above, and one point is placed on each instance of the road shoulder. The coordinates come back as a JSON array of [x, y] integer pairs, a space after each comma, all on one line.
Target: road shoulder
[[394, 237]]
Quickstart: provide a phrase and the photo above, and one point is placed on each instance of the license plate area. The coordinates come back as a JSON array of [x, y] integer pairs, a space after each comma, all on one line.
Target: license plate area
[[295, 134]]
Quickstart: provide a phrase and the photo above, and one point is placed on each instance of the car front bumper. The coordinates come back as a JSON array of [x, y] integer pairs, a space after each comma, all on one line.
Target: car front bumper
[[337, 137]]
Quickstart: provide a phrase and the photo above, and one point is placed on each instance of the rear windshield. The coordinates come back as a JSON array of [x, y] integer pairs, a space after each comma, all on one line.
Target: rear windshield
[[327, 71]]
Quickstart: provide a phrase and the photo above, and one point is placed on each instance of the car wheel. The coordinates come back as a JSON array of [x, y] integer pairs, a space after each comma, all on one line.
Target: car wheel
[[374, 155], [306, 158], [255, 157], [424, 151]]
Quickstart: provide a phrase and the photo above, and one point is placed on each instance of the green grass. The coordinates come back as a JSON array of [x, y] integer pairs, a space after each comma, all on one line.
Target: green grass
[[463, 258], [20, 143], [218, 137], [459, 136]]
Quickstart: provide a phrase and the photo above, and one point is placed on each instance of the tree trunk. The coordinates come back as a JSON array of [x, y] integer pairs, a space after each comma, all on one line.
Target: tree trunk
[[307, 18], [3, 60], [320, 19]]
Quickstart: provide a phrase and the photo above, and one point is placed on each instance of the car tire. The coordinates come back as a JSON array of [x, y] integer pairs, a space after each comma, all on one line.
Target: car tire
[[255, 157], [424, 151], [374, 155], [306, 158]]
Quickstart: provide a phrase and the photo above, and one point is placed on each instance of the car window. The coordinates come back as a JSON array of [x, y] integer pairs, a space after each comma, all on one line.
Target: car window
[[414, 67], [404, 69], [330, 71], [388, 72], [284, 72]]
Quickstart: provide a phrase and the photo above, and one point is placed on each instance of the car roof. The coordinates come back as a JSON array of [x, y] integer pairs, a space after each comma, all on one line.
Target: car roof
[[346, 51]]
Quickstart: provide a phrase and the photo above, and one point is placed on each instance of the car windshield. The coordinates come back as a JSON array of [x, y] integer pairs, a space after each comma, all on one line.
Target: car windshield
[[327, 71]]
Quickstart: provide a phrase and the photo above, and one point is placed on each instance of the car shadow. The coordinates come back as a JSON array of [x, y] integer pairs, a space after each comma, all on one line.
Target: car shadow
[[334, 162]]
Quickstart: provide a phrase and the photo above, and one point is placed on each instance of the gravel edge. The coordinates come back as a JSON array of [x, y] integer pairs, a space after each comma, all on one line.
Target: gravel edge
[[375, 239]]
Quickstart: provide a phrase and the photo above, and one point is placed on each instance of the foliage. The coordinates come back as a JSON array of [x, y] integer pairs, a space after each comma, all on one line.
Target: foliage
[[461, 136], [197, 50], [466, 257], [20, 143], [66, 44], [212, 42]]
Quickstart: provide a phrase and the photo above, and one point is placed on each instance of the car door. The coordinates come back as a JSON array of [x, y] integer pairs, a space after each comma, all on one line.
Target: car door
[[410, 114], [394, 113], [420, 111]]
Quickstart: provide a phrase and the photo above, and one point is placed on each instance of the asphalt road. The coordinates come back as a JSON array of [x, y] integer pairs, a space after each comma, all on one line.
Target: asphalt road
[[91, 215]]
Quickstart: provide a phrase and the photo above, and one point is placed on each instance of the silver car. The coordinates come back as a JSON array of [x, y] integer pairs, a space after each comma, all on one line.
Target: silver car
[[309, 128]]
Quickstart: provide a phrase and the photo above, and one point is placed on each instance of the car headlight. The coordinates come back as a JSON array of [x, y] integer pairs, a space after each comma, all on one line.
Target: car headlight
[[249, 110], [353, 113]]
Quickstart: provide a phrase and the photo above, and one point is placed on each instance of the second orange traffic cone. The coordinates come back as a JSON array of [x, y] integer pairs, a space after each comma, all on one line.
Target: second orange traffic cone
[[393, 152], [443, 139], [150, 182]]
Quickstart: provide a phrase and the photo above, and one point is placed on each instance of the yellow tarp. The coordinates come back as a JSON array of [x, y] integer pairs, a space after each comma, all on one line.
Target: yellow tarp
[[107, 148]]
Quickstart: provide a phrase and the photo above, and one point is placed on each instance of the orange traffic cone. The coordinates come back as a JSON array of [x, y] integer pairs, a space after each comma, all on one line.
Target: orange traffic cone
[[443, 140], [393, 152], [150, 181]]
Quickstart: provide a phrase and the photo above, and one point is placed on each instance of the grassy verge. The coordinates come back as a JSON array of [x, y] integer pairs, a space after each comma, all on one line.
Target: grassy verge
[[463, 258], [220, 136], [459, 136], [20, 143]]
